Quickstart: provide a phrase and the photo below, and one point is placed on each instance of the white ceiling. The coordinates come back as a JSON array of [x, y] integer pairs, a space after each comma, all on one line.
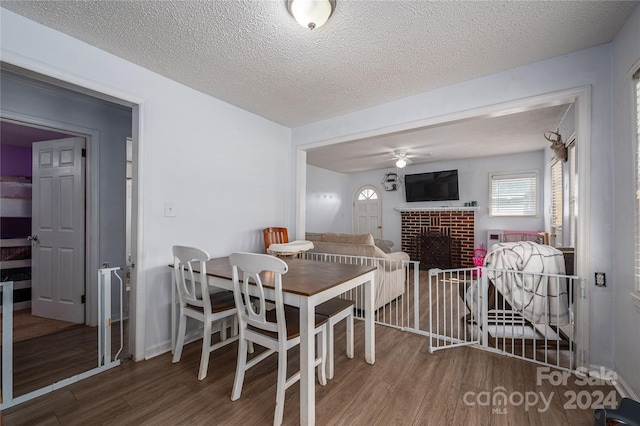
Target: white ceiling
[[476, 137], [252, 54]]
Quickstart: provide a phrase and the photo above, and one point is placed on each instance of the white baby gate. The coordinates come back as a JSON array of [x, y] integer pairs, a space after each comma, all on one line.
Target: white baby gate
[[521, 314], [439, 305], [105, 361]]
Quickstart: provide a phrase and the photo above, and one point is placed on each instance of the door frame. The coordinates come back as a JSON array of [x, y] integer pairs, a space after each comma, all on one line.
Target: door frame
[[581, 96], [91, 199], [64, 78]]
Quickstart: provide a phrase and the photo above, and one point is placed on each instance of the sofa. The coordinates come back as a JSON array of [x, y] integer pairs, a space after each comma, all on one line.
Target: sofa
[[391, 272]]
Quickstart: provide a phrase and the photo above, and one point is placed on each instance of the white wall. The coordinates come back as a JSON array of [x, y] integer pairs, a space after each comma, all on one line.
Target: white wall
[[625, 319], [328, 201], [473, 185], [587, 67], [226, 169]]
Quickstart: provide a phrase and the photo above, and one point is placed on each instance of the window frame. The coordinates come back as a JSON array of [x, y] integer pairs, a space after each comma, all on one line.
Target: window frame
[[557, 194], [636, 92], [535, 174]]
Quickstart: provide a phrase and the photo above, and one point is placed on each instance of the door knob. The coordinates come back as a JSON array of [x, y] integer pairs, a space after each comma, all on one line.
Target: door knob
[[33, 237]]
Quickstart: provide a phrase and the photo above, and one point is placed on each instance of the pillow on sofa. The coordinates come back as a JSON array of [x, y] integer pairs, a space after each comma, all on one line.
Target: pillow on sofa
[[384, 245], [347, 238]]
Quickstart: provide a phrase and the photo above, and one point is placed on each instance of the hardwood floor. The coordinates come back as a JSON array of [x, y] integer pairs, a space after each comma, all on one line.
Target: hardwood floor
[[406, 386], [46, 359]]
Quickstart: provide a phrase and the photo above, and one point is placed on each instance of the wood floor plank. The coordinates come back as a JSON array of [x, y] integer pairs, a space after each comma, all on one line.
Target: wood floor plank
[[508, 377], [438, 406], [39, 411], [410, 390], [548, 408]]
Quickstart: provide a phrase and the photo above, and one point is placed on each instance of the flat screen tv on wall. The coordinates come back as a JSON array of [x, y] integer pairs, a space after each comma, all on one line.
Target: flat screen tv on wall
[[432, 186]]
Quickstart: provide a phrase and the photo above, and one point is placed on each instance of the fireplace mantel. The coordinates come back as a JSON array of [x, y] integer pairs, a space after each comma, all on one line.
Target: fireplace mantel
[[437, 209]]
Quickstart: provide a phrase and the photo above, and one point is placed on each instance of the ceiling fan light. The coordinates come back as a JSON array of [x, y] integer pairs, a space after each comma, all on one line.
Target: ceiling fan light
[[401, 163], [311, 13]]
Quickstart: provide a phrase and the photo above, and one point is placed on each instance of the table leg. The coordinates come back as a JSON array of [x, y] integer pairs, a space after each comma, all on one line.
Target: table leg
[[307, 358], [369, 327]]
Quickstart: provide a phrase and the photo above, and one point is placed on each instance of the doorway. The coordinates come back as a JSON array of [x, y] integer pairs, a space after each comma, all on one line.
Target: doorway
[[367, 211], [35, 104], [52, 336], [581, 99]]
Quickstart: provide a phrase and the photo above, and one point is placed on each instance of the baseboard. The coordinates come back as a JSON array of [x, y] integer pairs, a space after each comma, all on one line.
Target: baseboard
[[165, 346], [619, 383], [624, 390], [20, 305]]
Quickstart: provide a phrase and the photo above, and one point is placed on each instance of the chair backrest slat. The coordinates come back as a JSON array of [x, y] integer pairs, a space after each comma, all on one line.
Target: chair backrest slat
[[190, 291], [251, 265], [274, 235]]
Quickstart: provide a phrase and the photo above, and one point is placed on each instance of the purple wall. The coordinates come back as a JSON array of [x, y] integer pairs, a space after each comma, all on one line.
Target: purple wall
[[15, 160]]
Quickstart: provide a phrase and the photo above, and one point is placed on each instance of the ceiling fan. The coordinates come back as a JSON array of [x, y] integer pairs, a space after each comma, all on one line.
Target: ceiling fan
[[401, 157]]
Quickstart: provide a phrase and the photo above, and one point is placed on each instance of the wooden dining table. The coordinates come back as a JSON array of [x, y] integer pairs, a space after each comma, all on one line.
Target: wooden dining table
[[307, 284]]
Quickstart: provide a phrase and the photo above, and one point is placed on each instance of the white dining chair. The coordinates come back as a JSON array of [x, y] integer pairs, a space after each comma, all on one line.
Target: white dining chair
[[336, 310], [277, 329], [217, 307]]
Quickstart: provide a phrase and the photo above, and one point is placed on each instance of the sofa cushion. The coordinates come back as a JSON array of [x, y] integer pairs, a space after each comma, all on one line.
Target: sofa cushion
[[347, 238], [367, 250], [313, 236]]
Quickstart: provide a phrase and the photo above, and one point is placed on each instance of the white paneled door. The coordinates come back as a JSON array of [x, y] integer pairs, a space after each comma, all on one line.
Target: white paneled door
[[58, 228], [367, 212]]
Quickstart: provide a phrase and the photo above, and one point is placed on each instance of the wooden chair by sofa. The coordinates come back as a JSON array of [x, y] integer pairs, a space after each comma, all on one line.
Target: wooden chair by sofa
[[274, 235]]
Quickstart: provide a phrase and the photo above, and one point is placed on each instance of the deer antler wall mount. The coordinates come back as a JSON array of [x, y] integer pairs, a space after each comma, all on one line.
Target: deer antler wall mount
[[557, 146]]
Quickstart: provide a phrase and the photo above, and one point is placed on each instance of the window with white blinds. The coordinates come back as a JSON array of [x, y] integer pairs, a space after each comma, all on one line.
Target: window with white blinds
[[514, 194], [636, 77], [556, 194]]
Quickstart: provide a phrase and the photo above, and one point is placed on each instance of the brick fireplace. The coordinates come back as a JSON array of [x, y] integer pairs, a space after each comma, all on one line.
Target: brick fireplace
[[440, 237]]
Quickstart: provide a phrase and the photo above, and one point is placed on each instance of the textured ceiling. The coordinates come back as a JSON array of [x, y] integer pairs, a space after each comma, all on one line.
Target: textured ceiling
[[253, 54]]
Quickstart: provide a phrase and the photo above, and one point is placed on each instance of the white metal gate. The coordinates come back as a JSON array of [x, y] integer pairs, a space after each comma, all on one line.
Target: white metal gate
[[525, 315], [105, 360], [459, 307]]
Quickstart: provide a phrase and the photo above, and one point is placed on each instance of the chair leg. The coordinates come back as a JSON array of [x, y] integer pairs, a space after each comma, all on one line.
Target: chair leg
[[223, 329], [182, 326], [281, 387], [321, 339], [349, 320], [240, 369], [234, 326], [206, 350], [330, 351]]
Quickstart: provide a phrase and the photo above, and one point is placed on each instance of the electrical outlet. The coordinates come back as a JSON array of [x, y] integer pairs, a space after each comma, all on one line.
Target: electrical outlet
[[601, 280]]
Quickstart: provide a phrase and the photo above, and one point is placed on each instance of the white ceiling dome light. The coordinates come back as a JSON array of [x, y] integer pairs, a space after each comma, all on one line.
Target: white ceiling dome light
[[311, 13], [401, 158]]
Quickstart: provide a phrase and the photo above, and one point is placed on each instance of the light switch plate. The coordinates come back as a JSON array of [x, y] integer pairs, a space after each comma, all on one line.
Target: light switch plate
[[169, 209]]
